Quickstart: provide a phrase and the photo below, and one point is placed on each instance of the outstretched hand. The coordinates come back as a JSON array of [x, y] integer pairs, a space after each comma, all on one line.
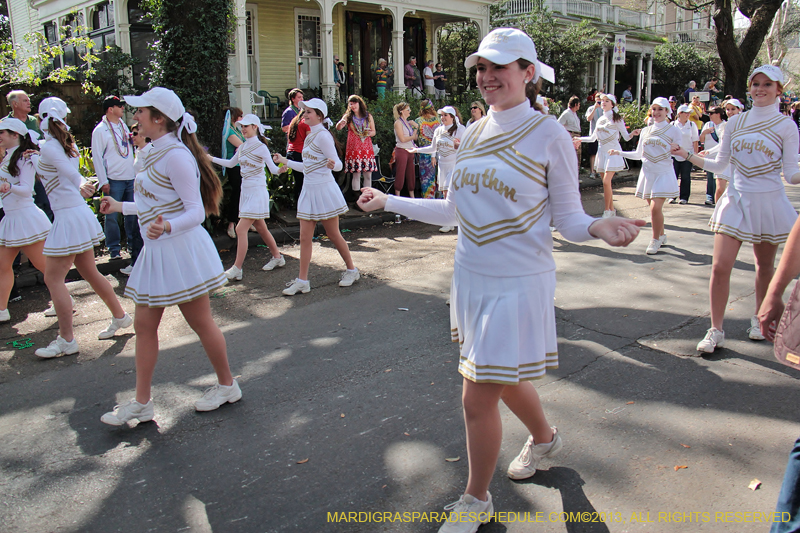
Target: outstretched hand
[[372, 199], [5, 187], [769, 314], [616, 231], [109, 205]]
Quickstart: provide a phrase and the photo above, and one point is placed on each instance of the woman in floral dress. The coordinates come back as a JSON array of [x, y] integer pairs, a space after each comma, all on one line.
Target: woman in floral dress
[[428, 121], [359, 159]]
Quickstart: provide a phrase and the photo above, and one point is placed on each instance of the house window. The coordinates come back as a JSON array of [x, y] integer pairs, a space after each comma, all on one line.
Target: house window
[[102, 31], [309, 49], [142, 39]]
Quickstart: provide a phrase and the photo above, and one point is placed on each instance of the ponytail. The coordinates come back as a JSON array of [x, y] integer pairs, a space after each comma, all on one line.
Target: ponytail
[[294, 123], [60, 133], [262, 138], [210, 186], [25, 143]]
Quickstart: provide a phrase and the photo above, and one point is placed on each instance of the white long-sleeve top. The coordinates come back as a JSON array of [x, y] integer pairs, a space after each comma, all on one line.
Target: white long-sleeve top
[[317, 149], [758, 144], [689, 135], [608, 132], [60, 173], [515, 169], [168, 185], [252, 156], [654, 147], [21, 193], [108, 163], [443, 145], [141, 153]]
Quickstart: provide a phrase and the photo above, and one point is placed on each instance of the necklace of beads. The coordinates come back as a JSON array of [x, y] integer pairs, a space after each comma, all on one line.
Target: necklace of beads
[[122, 140]]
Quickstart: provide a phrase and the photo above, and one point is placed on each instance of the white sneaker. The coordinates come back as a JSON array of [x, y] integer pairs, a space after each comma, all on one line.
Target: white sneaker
[[58, 347], [754, 331], [219, 395], [467, 514], [349, 277], [51, 311], [663, 239], [127, 270], [446, 229], [129, 411], [653, 247], [234, 273], [5, 316], [293, 287], [713, 339], [609, 213], [524, 466], [116, 323], [274, 262]]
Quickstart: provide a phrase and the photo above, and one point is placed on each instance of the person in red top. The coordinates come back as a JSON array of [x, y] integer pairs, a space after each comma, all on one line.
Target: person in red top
[[298, 129]]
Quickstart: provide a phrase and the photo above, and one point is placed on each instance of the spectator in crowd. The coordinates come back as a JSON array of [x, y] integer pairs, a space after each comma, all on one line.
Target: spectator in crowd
[[405, 133], [335, 65], [341, 80], [20, 104], [427, 73], [233, 139], [412, 77], [439, 77], [796, 113], [593, 114], [298, 130], [295, 97], [590, 99], [696, 111], [673, 104], [359, 159], [382, 77], [112, 154], [689, 139], [710, 136], [476, 112], [711, 88], [569, 119], [627, 95], [688, 92], [428, 121]]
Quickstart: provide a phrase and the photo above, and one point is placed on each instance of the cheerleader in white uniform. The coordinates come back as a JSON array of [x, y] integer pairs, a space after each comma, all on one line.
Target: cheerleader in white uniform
[[320, 200], [24, 226], [758, 144], [444, 145], [75, 231], [252, 156], [657, 179], [179, 265], [608, 131], [732, 108], [515, 170]]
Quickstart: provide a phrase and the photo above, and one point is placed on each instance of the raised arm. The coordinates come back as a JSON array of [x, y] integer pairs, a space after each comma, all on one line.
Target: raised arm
[[791, 172], [227, 163], [635, 154], [328, 147], [623, 131]]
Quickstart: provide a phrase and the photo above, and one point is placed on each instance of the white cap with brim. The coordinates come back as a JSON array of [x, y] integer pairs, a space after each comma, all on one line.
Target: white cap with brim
[[54, 108], [663, 102], [252, 120], [315, 103], [772, 72], [451, 111], [505, 45], [735, 102], [160, 98], [684, 109], [17, 126]]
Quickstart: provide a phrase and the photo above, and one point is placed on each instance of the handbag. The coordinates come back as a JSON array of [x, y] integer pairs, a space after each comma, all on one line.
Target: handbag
[[787, 335]]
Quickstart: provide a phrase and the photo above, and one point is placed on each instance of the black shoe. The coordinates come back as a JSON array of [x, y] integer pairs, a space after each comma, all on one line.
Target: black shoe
[[710, 202], [16, 298]]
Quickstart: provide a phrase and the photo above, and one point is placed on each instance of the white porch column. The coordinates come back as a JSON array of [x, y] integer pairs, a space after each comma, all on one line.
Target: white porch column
[[483, 25], [326, 27], [639, 79], [398, 54], [435, 44], [649, 78], [601, 73], [241, 83], [612, 76]]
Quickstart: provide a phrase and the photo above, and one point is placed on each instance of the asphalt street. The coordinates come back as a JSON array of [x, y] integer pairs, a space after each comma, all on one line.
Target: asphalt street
[[352, 400]]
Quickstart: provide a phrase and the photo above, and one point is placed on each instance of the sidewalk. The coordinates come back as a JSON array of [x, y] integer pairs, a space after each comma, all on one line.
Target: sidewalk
[[285, 228]]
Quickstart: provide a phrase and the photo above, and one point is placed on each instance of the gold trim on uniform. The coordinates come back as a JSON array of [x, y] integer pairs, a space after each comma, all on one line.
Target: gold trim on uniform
[[512, 226], [743, 236], [177, 298]]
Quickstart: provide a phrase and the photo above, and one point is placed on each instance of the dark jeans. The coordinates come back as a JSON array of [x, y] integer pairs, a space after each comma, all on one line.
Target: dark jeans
[[122, 191], [711, 185], [789, 496], [298, 176], [41, 200], [683, 172], [234, 176]]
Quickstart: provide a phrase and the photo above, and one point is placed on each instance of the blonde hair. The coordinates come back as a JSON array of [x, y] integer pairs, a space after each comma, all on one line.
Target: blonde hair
[[398, 108]]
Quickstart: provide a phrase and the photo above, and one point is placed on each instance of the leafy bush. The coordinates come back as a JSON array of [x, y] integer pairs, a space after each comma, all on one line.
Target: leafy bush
[[676, 64]]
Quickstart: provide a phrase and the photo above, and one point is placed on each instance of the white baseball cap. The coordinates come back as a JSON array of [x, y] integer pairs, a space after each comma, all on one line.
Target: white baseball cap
[[14, 124], [735, 102], [505, 45], [772, 72], [684, 109], [315, 103], [252, 120], [663, 102], [53, 107], [162, 99]]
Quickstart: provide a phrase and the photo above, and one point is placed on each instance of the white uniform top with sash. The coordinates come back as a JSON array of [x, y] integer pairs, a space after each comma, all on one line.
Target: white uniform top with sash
[[443, 145], [712, 147], [515, 170], [183, 265], [252, 156], [758, 144], [608, 132], [657, 177], [75, 228], [321, 197], [23, 223]]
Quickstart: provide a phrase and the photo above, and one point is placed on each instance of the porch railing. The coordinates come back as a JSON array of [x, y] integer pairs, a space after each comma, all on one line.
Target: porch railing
[[704, 35], [603, 13]]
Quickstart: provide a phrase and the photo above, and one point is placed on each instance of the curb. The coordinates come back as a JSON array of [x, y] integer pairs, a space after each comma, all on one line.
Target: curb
[[286, 234]]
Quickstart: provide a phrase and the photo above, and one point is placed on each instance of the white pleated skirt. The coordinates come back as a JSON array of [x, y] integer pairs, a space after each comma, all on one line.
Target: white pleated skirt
[[25, 226], [445, 175], [254, 203], [754, 217], [609, 163], [175, 270], [506, 327], [657, 185], [75, 230], [320, 201]]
